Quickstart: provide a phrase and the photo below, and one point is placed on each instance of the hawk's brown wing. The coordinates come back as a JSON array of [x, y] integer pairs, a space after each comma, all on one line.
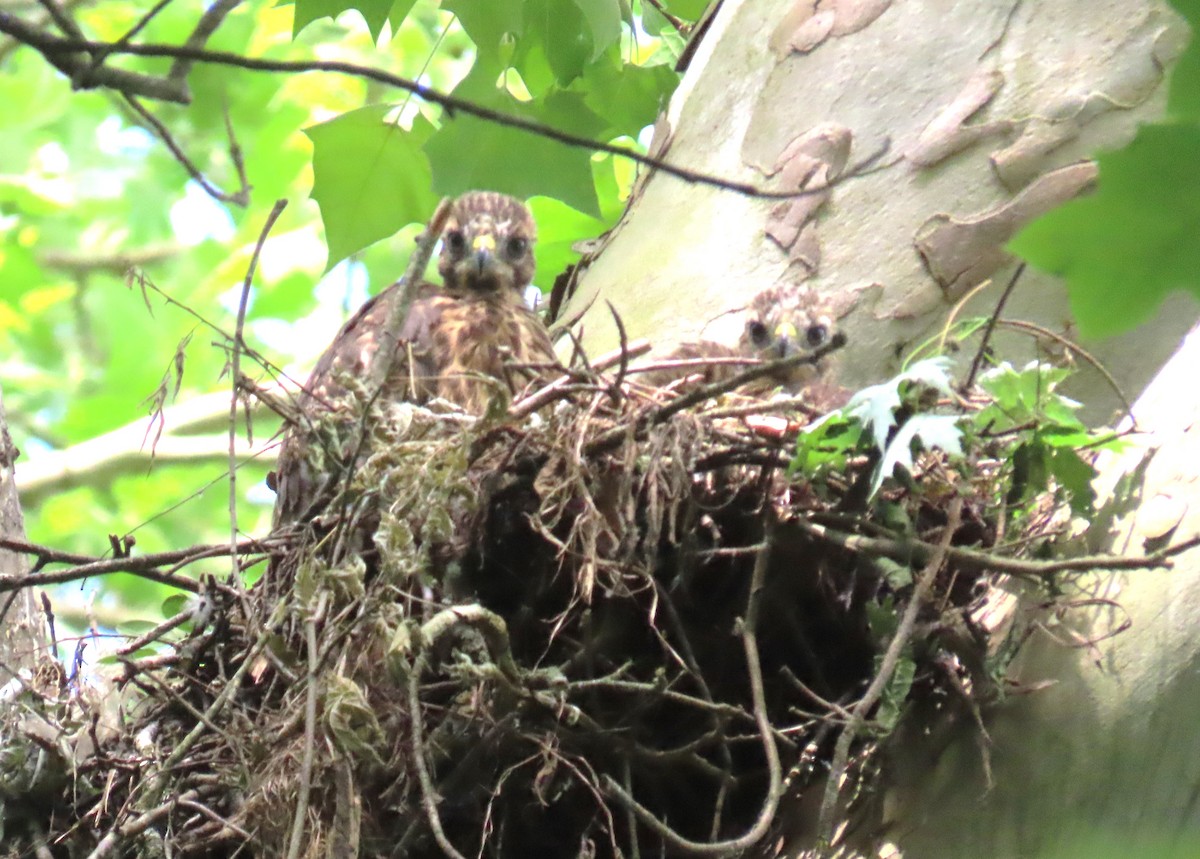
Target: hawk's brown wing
[[348, 357], [459, 346], [353, 348]]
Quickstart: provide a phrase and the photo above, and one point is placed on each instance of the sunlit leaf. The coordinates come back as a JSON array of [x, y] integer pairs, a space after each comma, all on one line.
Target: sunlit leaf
[[560, 228], [928, 432], [370, 179], [374, 12]]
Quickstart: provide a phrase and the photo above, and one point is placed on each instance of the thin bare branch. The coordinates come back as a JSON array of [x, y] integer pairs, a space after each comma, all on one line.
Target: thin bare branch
[[65, 54], [239, 344], [240, 197], [144, 566]]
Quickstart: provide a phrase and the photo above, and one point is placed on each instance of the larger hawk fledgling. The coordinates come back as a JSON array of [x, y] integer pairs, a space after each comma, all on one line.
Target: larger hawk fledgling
[[780, 322], [466, 342]]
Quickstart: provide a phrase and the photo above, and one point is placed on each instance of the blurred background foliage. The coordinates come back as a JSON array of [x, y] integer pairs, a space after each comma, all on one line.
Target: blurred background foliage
[[88, 190]]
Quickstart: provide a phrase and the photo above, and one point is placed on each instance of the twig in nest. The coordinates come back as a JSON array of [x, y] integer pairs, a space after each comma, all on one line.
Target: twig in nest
[[887, 667], [919, 552], [159, 782], [137, 826], [173, 622], [615, 388], [239, 342], [143, 566], [977, 362], [774, 770], [1075, 348], [550, 392], [614, 436], [310, 728]]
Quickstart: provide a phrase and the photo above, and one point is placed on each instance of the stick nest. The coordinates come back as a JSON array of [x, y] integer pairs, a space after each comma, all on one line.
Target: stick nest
[[612, 628]]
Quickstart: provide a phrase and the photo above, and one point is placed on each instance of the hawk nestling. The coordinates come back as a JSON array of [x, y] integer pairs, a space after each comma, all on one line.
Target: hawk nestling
[[780, 322], [464, 342]]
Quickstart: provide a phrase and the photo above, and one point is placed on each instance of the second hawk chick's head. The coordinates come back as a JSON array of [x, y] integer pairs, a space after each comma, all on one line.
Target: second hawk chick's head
[[487, 245], [785, 321]]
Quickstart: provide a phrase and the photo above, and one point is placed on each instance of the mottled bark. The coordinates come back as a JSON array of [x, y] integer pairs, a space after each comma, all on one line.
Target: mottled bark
[[988, 111], [20, 637]]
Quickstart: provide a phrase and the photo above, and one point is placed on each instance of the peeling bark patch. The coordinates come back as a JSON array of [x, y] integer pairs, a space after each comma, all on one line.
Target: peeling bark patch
[[1133, 71], [962, 253], [947, 133], [810, 22], [810, 161]]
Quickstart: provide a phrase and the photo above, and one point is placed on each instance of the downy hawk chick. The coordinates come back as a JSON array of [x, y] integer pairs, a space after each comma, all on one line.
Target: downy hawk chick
[[780, 322]]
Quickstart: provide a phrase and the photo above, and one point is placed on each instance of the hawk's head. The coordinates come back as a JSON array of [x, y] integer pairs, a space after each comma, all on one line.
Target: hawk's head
[[785, 320], [487, 246]]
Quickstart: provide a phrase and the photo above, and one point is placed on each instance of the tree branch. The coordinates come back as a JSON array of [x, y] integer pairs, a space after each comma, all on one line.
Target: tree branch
[[59, 51], [72, 58]]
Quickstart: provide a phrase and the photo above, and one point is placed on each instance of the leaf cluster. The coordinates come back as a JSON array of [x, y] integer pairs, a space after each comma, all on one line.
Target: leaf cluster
[[1018, 430]]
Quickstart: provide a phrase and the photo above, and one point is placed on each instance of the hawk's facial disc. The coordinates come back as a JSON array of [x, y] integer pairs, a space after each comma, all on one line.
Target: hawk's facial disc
[[784, 322], [487, 246]]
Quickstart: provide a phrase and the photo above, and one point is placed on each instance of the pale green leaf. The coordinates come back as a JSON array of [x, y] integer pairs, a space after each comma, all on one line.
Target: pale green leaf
[[374, 12], [370, 178]]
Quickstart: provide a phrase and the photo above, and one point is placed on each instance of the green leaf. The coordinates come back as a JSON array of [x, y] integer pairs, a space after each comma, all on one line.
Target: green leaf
[[897, 575], [175, 603], [468, 152], [895, 693], [370, 178], [561, 30], [628, 97], [826, 443], [690, 10], [1183, 101], [374, 12], [604, 23], [1075, 476], [560, 228], [488, 22], [1030, 472], [1124, 248], [399, 11]]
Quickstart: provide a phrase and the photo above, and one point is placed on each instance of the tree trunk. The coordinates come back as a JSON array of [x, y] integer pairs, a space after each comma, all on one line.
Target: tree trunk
[[988, 111], [20, 637], [1109, 754]]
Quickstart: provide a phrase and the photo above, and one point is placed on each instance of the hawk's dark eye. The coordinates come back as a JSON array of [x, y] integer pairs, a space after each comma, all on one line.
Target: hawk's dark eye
[[817, 334], [515, 247], [456, 241], [759, 335]]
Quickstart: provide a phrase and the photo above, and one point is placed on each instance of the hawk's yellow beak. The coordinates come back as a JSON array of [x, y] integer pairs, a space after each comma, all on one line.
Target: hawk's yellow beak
[[484, 249], [785, 336]]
